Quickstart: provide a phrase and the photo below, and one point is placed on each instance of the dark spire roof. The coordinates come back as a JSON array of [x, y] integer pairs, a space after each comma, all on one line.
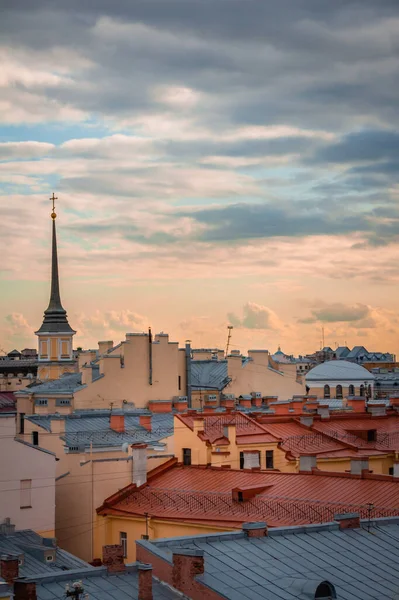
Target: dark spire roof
[[55, 316]]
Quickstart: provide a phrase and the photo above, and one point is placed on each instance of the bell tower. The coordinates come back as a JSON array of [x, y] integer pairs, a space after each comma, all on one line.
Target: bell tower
[[55, 335]]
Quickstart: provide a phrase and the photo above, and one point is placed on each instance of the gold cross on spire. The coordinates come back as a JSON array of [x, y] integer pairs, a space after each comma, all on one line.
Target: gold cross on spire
[[53, 214]]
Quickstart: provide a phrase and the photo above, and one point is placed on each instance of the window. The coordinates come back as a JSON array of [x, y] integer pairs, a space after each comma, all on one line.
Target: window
[[362, 390], [240, 497], [338, 391], [269, 459], [241, 460], [351, 390], [41, 402], [179, 382], [390, 471], [35, 438], [21, 422], [372, 435], [326, 391], [187, 456], [123, 542], [325, 591], [25, 493]]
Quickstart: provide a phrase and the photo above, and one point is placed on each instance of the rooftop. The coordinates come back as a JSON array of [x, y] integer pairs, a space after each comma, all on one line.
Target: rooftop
[[31, 547], [7, 402], [93, 427], [339, 370], [290, 563], [248, 431], [209, 374], [67, 383], [100, 585], [205, 494]]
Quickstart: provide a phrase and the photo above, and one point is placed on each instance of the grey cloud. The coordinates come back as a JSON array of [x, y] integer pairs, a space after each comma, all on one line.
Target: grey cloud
[[363, 146], [338, 312]]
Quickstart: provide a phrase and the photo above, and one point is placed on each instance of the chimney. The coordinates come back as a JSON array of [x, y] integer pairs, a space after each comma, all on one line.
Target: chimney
[[307, 462], [145, 421], [25, 589], [113, 558], [198, 424], [117, 423], [348, 520], [252, 530], [187, 564], [306, 420], [357, 404], [377, 409], [358, 465], [324, 411], [396, 469], [9, 567], [145, 582], [139, 464], [103, 347]]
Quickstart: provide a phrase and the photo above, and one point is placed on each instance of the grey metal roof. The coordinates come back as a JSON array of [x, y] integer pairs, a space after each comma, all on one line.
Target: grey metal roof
[[100, 585], [19, 543], [93, 427], [68, 383], [209, 374], [288, 563], [339, 370]]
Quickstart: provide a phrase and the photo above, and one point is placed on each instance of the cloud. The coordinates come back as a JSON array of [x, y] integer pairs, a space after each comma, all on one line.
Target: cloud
[[256, 316], [338, 312], [108, 325]]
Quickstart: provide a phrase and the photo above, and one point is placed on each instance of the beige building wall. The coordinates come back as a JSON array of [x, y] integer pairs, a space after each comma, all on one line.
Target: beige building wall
[[126, 375], [27, 482], [261, 374]]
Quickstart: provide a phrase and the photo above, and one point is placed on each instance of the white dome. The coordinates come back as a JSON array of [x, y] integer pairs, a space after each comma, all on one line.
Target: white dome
[[339, 370]]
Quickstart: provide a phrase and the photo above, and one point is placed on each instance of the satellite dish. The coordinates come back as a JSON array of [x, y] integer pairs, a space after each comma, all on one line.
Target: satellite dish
[[125, 447]]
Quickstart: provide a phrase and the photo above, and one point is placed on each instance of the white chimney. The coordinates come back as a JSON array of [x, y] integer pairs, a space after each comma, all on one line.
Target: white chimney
[[139, 476]]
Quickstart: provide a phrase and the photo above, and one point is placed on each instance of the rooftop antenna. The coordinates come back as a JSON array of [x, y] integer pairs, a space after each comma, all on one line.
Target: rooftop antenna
[[229, 327]]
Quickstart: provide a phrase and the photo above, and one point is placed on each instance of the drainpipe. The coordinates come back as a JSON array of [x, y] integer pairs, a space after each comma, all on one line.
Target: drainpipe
[[188, 372], [150, 355]]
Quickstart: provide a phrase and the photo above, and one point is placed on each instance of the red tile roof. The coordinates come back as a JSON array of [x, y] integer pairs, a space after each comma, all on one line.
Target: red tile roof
[[8, 402], [348, 430], [248, 431], [204, 494]]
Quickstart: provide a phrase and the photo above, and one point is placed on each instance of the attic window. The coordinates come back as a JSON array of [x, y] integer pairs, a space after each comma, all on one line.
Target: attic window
[[325, 591], [49, 558], [371, 435]]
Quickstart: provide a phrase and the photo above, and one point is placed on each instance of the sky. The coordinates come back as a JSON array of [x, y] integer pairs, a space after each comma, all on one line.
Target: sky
[[215, 162]]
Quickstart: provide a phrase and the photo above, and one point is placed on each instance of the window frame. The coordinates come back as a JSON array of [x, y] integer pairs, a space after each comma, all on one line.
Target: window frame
[[25, 493], [271, 456], [123, 542], [186, 456]]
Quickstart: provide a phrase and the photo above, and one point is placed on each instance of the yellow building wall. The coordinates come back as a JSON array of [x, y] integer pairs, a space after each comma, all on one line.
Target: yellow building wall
[[107, 531]]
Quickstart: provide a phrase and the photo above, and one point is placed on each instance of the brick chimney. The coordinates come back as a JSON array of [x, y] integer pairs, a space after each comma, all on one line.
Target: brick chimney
[[358, 465], [145, 421], [25, 590], [307, 462], [252, 530], [139, 475], [145, 582], [117, 423], [113, 558], [187, 564], [9, 567], [348, 520]]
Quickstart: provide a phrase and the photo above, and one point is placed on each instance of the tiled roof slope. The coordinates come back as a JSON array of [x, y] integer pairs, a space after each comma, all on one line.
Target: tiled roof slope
[[205, 494], [209, 374], [8, 402], [247, 430], [100, 585], [19, 542], [361, 565], [386, 427], [94, 427], [69, 382]]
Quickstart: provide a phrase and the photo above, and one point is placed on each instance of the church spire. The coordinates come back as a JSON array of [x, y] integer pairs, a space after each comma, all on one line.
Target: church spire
[[55, 316]]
